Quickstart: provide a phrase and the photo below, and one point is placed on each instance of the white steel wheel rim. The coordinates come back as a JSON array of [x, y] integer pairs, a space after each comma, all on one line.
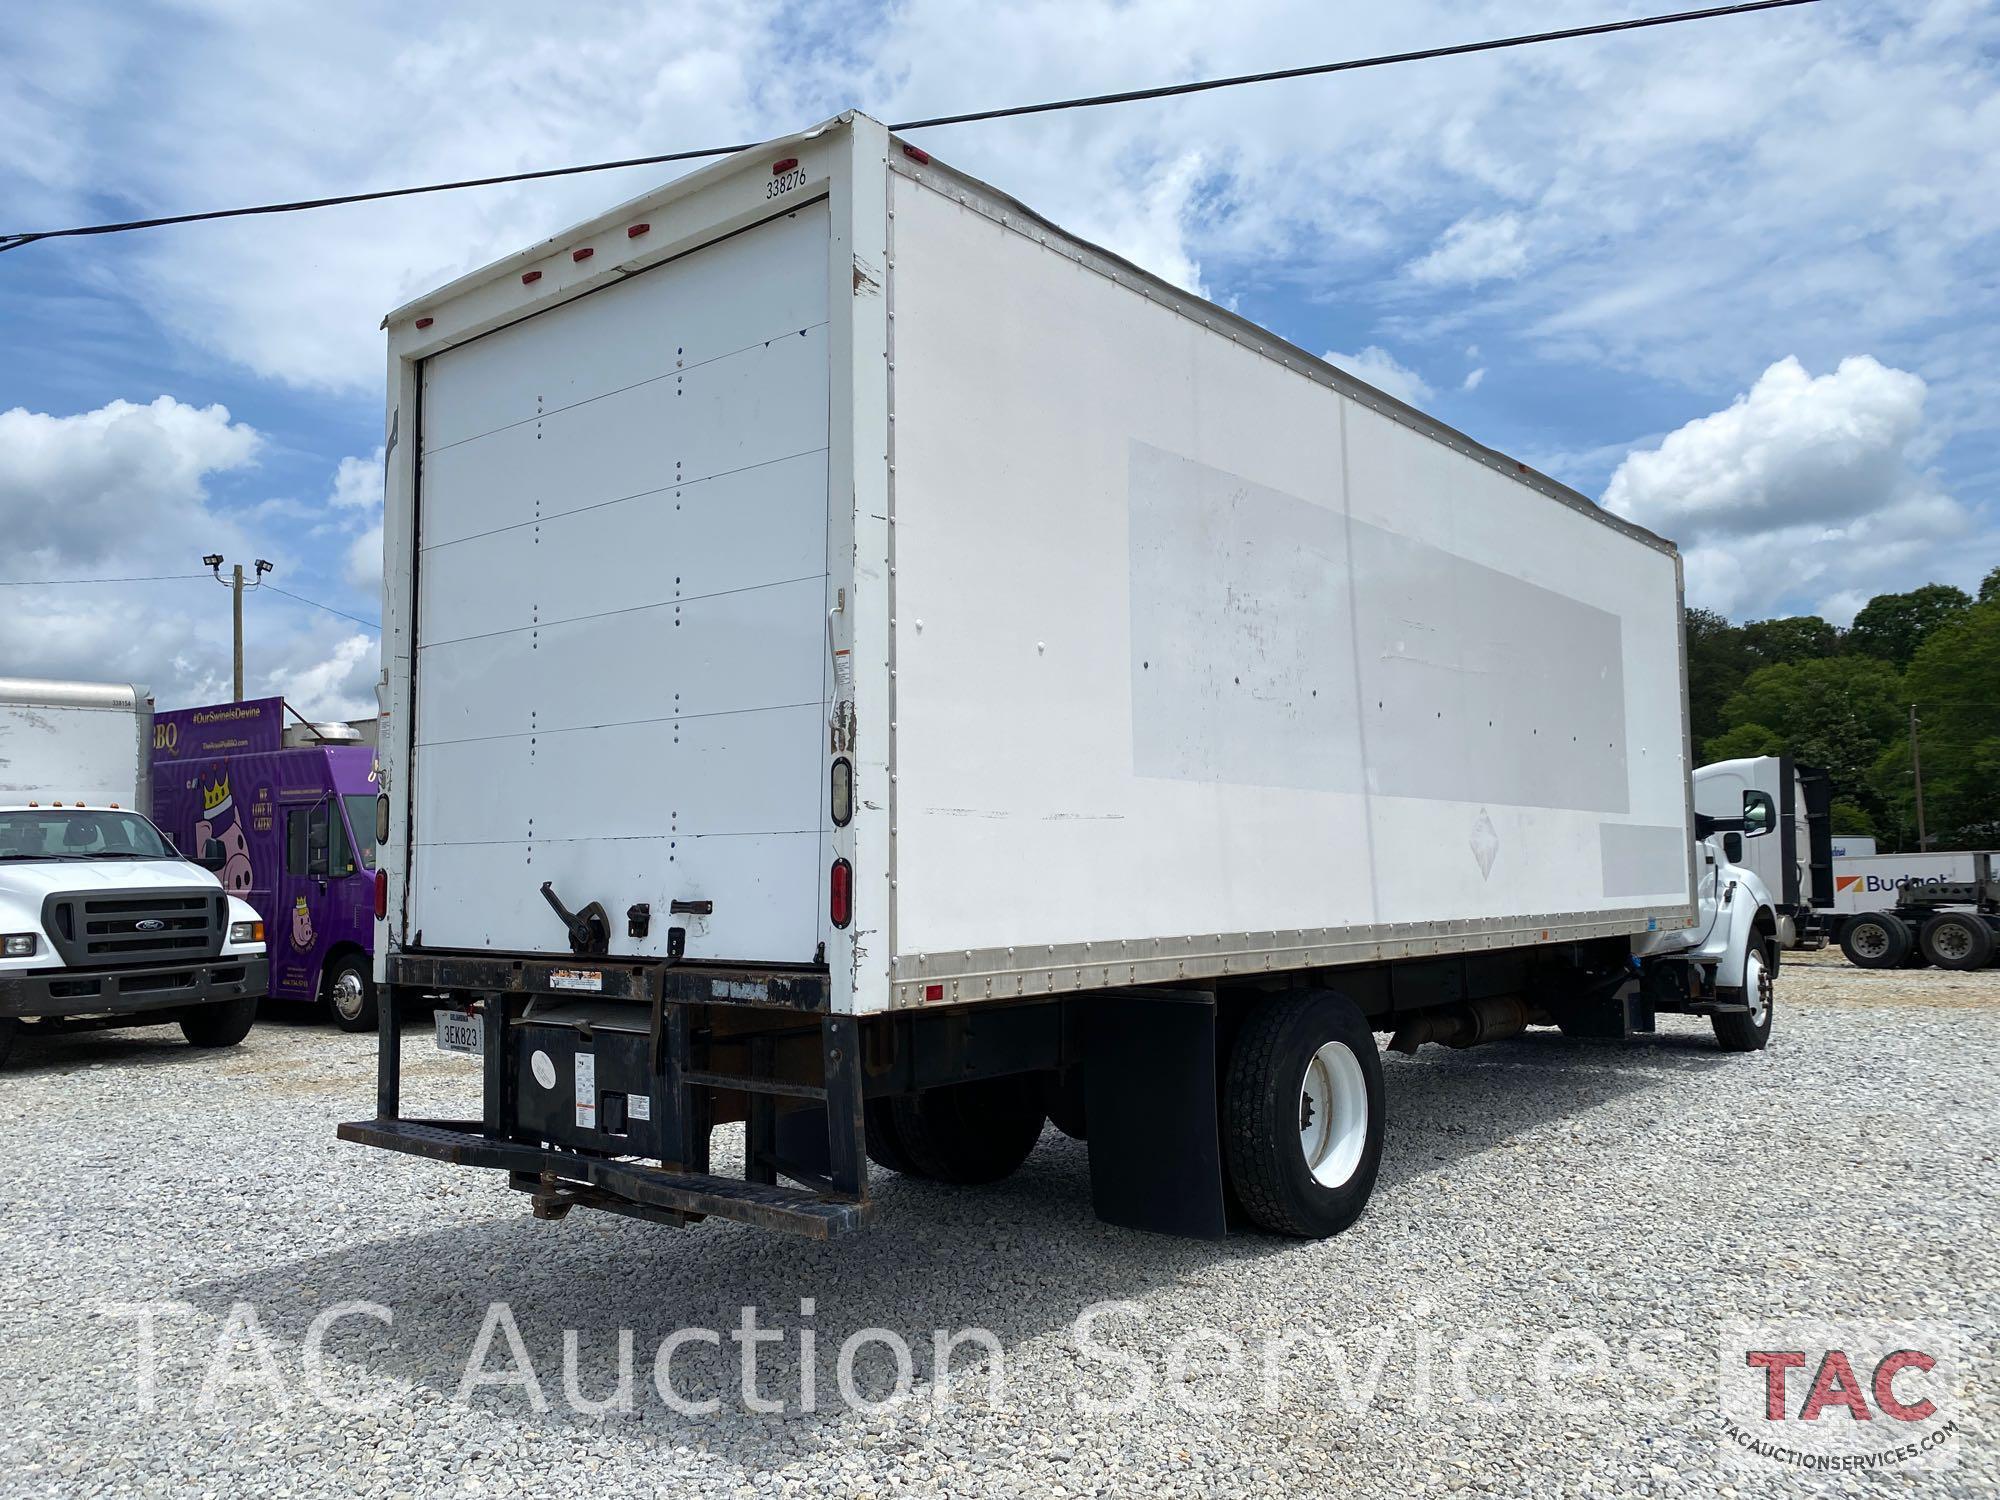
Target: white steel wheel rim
[[1951, 940], [348, 994], [1871, 940], [1333, 1114], [1757, 988]]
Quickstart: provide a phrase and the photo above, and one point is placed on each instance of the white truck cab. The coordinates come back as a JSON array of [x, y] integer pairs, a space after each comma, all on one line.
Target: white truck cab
[[102, 921]]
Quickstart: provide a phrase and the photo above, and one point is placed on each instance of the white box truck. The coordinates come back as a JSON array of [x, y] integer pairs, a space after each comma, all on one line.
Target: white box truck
[[102, 921], [867, 664]]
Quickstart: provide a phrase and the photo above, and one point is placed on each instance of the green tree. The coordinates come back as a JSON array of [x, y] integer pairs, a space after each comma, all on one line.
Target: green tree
[[1989, 587], [1850, 818], [1954, 681], [1743, 740], [1717, 665], [1794, 638], [1835, 712], [1892, 626]]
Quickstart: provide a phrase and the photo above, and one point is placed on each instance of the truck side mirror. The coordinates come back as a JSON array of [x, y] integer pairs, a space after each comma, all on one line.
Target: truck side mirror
[[1760, 814], [213, 856]]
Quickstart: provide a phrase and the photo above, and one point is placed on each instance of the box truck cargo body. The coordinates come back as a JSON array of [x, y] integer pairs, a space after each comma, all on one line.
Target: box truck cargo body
[[823, 585]]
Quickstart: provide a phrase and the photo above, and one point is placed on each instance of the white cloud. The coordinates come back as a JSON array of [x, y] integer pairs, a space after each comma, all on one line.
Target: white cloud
[[1385, 372], [1473, 379], [1803, 489], [75, 489], [357, 484], [1474, 250], [123, 492], [1688, 200]]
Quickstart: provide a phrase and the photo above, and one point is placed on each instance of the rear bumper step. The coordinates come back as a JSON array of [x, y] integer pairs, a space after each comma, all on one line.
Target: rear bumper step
[[463, 1143]]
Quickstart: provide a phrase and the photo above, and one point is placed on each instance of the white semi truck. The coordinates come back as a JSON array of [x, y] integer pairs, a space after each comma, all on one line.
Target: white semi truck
[[865, 663], [102, 921], [1797, 863]]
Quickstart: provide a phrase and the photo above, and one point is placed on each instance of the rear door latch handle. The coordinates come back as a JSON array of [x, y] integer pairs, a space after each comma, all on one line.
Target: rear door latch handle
[[692, 908]]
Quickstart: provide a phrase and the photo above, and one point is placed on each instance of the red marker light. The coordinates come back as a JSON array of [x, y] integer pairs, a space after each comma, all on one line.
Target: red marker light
[[584, 254], [780, 168], [917, 154], [381, 893], [636, 230], [425, 322], [933, 992], [841, 893], [529, 278]]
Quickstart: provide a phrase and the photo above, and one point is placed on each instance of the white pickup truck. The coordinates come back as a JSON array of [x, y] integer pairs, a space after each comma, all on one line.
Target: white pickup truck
[[102, 921]]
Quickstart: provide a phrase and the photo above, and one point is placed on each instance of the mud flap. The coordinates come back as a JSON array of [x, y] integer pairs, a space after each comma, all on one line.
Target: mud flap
[[1155, 1128]]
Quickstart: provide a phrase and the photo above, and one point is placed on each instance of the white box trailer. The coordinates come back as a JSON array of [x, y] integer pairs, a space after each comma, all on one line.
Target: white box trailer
[[88, 742], [822, 585]]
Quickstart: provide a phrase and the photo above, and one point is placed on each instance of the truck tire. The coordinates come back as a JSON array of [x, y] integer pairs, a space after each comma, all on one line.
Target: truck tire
[[1302, 1114], [1875, 940], [884, 1146], [347, 990], [8, 1026], [1749, 1033], [222, 1025], [1958, 940], [964, 1133]]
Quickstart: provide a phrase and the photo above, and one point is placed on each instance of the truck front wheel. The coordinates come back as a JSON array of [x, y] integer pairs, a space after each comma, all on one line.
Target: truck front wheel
[[221, 1025], [349, 990], [1302, 1114], [964, 1133], [8, 1026], [1875, 940], [1749, 1033]]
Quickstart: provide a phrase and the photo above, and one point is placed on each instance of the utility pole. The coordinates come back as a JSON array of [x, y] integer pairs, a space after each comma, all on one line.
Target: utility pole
[[235, 585], [1917, 775]]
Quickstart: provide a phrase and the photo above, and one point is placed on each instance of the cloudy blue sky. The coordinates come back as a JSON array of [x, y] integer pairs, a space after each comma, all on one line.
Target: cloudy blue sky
[[1739, 279]]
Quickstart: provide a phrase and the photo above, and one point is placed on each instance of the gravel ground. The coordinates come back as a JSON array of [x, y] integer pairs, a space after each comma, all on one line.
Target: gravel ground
[[1541, 1189]]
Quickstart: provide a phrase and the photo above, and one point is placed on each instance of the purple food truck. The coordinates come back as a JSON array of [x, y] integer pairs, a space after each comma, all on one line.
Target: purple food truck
[[295, 813]]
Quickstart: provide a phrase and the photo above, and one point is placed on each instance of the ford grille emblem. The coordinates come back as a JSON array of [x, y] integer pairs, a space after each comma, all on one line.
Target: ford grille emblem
[[151, 924]]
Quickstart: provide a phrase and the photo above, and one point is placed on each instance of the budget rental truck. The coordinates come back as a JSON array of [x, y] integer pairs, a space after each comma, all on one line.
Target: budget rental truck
[[103, 922], [294, 808], [866, 664]]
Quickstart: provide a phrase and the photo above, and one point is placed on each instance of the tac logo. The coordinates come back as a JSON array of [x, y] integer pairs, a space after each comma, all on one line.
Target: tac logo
[[1840, 1397]]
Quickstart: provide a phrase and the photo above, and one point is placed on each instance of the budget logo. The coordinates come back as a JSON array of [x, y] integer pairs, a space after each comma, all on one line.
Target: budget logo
[[1846, 882], [1840, 1398]]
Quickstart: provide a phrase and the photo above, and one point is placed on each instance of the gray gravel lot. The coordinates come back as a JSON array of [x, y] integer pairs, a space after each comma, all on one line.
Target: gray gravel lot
[[1538, 1188]]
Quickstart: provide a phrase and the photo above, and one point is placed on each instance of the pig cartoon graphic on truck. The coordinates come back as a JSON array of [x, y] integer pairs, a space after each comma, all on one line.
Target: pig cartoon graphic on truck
[[222, 821]]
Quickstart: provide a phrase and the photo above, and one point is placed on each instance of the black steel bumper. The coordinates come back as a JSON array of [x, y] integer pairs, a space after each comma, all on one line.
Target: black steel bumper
[[61, 993]]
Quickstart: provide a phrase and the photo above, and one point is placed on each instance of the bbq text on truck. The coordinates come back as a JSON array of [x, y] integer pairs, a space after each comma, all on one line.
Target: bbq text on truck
[[867, 664], [294, 807], [105, 923]]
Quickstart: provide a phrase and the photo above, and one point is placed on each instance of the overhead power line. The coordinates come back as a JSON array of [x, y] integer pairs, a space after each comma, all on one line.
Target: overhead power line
[[371, 624], [46, 583], [1008, 112]]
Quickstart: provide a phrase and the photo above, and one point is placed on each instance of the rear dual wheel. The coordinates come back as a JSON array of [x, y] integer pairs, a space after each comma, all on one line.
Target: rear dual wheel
[[1876, 940], [964, 1133], [1958, 940], [1302, 1114]]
